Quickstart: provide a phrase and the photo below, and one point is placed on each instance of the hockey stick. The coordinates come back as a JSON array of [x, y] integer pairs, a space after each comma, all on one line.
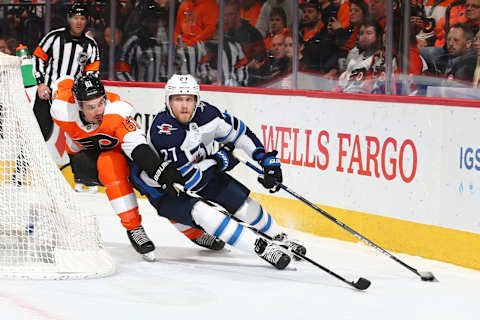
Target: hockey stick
[[424, 275], [360, 284], [64, 166]]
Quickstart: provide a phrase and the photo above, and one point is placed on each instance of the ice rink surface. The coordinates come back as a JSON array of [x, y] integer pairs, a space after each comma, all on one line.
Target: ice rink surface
[[189, 282]]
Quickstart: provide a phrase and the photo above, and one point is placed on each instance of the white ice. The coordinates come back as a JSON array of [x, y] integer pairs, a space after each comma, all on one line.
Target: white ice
[[192, 283]]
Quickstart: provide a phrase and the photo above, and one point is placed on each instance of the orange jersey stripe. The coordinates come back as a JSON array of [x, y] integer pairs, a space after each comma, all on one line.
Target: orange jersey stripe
[[92, 66], [241, 63], [41, 54], [123, 67]]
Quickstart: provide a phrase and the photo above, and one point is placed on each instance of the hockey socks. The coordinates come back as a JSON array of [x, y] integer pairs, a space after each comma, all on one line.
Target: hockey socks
[[236, 235], [252, 213]]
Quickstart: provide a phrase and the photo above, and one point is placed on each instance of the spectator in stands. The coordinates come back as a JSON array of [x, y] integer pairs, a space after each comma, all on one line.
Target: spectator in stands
[[424, 18], [196, 21], [105, 47], [345, 38], [378, 11], [12, 44], [459, 63], [330, 10], [4, 47], [263, 18], [343, 14], [365, 71], [277, 65], [132, 22], [277, 25], [241, 31], [455, 13], [25, 26], [143, 57], [476, 45], [472, 12], [467, 11], [250, 10], [289, 44], [318, 50], [58, 14]]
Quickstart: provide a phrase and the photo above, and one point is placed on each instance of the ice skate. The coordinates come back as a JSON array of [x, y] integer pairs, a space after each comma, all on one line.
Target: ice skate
[[272, 253], [292, 244], [79, 187], [210, 242], [140, 241]]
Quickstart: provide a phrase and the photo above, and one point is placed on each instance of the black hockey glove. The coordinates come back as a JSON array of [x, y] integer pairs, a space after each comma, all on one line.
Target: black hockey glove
[[271, 171], [224, 157], [166, 175]]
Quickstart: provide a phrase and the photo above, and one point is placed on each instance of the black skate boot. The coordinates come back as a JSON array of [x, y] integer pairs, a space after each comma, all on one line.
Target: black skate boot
[[292, 245], [272, 253], [140, 241], [210, 242]]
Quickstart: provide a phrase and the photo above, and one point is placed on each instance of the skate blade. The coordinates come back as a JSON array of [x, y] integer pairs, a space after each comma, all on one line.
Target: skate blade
[[150, 257]]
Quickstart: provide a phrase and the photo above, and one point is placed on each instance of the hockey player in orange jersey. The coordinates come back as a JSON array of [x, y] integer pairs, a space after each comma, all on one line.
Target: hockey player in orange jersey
[[101, 134]]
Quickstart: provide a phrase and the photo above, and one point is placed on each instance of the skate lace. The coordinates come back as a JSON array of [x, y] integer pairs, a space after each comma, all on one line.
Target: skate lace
[[205, 239], [138, 235], [272, 253], [292, 244]]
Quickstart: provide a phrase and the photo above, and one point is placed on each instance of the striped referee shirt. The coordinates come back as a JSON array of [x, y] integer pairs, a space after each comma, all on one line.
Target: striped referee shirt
[[60, 54], [193, 60], [234, 62], [142, 59]]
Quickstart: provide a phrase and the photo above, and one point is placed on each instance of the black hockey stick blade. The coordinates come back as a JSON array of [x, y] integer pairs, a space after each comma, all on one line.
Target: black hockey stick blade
[[361, 284], [427, 276]]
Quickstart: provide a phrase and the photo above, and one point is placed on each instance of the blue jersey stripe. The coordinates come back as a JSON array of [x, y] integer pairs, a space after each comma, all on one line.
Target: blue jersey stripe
[[221, 139], [222, 227], [194, 180], [240, 132], [151, 191], [260, 215], [186, 168], [235, 235], [269, 222]]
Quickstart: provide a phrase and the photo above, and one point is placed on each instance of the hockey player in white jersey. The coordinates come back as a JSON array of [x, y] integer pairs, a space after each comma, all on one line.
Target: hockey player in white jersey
[[186, 134]]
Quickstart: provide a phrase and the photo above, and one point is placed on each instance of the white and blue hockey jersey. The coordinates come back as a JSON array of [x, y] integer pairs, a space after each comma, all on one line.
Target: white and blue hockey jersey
[[189, 145]]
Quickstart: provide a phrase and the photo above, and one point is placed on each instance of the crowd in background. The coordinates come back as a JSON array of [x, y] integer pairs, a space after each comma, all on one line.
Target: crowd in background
[[339, 41]]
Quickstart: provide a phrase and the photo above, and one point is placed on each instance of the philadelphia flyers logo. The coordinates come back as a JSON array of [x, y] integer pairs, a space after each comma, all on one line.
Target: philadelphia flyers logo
[[100, 141]]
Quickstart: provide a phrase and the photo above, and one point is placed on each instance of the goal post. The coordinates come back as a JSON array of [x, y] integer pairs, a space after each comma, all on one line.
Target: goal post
[[44, 232]]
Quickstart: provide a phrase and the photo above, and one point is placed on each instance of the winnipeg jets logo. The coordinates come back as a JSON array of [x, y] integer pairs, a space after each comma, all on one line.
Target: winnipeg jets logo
[[166, 128]]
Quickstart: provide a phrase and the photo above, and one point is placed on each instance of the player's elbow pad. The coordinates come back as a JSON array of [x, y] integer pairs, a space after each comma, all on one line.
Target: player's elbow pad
[[146, 159]]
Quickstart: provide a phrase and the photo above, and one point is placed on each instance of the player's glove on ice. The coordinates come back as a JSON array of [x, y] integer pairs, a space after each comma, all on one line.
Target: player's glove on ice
[[166, 175], [271, 170], [224, 157]]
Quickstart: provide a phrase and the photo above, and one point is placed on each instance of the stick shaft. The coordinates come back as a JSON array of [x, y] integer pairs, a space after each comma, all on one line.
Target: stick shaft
[[328, 216]]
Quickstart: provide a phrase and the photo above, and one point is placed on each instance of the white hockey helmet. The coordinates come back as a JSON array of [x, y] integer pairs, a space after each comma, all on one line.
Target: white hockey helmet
[[182, 84]]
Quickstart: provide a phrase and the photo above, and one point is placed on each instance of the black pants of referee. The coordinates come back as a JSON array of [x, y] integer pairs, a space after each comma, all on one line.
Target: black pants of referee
[[41, 109]]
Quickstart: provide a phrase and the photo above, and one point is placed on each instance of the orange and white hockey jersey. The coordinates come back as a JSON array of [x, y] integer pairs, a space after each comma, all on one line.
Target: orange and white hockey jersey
[[116, 133], [117, 130]]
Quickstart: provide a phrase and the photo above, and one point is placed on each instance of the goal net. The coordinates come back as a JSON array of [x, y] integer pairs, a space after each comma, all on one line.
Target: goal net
[[44, 233]]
